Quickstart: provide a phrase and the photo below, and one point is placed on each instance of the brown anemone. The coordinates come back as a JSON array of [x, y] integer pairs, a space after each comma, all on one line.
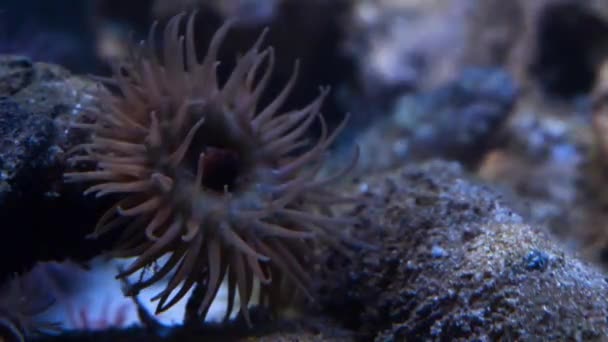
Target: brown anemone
[[222, 186]]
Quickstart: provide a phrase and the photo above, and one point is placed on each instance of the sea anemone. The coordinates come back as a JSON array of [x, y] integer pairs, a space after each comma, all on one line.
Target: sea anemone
[[227, 189], [20, 307]]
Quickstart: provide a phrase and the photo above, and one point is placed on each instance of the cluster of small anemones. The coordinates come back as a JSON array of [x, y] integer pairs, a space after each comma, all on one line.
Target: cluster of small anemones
[[228, 189]]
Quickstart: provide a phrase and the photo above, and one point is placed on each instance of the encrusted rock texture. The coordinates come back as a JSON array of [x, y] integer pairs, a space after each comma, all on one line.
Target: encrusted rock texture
[[443, 259], [38, 215], [452, 262]]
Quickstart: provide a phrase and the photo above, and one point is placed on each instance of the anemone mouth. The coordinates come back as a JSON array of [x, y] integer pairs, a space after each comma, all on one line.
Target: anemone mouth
[[226, 161], [222, 169], [207, 176]]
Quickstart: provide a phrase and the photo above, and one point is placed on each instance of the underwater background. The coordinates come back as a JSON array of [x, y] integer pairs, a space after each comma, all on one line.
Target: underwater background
[[435, 170]]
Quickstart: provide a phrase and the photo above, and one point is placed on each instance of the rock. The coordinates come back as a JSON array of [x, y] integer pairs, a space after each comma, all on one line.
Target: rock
[[550, 166], [456, 121], [496, 277], [539, 144], [398, 46], [39, 221], [16, 73], [493, 30], [551, 27], [21, 304]]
